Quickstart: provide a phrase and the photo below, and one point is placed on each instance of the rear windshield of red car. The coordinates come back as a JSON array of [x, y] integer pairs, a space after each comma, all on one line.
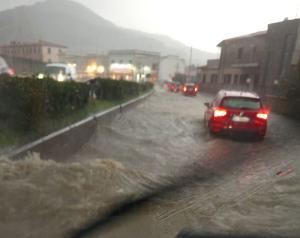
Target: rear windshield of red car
[[241, 103]]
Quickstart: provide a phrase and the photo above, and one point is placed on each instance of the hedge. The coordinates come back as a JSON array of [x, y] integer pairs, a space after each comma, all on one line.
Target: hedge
[[62, 98], [21, 103], [106, 89], [25, 103]]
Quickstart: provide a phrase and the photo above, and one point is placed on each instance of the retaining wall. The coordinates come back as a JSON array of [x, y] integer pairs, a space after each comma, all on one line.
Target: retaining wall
[[64, 143]]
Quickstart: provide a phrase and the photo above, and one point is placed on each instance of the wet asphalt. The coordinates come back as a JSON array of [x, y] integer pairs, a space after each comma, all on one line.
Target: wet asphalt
[[206, 184]]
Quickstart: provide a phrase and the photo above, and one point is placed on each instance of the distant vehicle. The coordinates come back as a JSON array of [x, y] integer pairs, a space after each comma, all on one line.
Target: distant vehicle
[[190, 89], [235, 111], [60, 72], [4, 69], [175, 87], [167, 85], [172, 86]]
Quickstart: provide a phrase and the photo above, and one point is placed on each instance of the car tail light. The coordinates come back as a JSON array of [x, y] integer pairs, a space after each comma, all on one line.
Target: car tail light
[[11, 72], [220, 112], [196, 89], [185, 89], [263, 115]]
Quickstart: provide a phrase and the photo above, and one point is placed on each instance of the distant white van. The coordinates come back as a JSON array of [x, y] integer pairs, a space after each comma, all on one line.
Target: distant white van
[[61, 72], [4, 69]]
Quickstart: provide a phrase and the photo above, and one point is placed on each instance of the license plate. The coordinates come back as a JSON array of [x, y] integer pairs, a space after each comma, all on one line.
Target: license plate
[[240, 119]]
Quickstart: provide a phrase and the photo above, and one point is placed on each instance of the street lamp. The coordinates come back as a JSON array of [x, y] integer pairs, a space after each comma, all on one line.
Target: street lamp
[[276, 88], [248, 81]]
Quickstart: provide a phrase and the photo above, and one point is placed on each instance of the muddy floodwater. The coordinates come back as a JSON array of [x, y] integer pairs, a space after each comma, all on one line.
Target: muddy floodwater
[[222, 185]]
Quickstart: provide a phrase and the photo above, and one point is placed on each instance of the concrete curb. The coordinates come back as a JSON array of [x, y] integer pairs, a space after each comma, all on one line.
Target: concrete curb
[[33, 147]]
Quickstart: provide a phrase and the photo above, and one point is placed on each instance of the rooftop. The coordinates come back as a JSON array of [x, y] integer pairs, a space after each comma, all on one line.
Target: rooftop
[[286, 21], [252, 35], [39, 43], [133, 52], [211, 64]]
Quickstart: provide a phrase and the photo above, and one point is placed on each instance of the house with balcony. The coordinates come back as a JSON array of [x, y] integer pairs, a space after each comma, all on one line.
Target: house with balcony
[[241, 61]]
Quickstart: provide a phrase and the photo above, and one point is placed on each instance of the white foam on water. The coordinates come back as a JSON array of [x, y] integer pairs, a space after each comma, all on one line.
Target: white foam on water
[[48, 199]]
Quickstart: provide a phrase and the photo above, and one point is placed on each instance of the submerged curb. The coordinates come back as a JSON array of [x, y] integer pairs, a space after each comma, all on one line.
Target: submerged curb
[[81, 125]]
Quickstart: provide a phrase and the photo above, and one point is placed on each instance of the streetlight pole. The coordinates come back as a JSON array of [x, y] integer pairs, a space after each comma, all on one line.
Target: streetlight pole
[[190, 63]]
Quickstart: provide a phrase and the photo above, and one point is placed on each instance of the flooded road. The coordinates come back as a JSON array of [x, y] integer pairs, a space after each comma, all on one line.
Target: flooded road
[[159, 154], [226, 185], [157, 137]]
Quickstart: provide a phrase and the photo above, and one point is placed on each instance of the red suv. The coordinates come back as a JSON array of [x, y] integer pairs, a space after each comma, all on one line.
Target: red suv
[[235, 111]]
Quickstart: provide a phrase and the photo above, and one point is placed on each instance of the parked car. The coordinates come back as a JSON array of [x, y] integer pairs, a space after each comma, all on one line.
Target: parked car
[[4, 69], [236, 111], [190, 89], [60, 72]]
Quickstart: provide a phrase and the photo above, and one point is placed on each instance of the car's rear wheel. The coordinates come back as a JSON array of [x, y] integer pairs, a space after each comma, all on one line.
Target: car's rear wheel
[[261, 135], [210, 129]]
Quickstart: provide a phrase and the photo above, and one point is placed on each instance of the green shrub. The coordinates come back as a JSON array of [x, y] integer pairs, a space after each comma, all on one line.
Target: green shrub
[[108, 89], [62, 98], [25, 103], [21, 103]]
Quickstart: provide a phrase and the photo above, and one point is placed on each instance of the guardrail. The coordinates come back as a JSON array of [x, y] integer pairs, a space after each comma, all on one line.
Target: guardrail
[[63, 143]]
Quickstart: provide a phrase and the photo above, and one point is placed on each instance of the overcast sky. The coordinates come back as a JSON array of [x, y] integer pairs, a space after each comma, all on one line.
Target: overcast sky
[[200, 23]]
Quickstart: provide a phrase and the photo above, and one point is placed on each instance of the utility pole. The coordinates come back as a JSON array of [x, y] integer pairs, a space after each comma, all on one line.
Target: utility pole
[[190, 63]]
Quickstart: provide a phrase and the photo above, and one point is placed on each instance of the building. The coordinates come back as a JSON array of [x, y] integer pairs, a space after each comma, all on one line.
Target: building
[[209, 75], [133, 65], [41, 51], [282, 54], [241, 61], [193, 73], [169, 66], [259, 61], [89, 66]]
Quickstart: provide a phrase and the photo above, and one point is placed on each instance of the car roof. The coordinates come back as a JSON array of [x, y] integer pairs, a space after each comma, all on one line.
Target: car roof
[[3, 63], [229, 93], [57, 65], [190, 84]]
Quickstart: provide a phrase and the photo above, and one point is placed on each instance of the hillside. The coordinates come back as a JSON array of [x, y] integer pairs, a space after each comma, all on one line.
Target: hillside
[[14, 3], [82, 30]]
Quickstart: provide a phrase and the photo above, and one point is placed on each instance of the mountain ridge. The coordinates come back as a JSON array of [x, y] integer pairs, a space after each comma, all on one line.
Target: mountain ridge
[[83, 31]]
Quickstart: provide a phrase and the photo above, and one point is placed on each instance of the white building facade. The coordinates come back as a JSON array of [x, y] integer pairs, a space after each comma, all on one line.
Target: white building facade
[[133, 65], [170, 66]]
